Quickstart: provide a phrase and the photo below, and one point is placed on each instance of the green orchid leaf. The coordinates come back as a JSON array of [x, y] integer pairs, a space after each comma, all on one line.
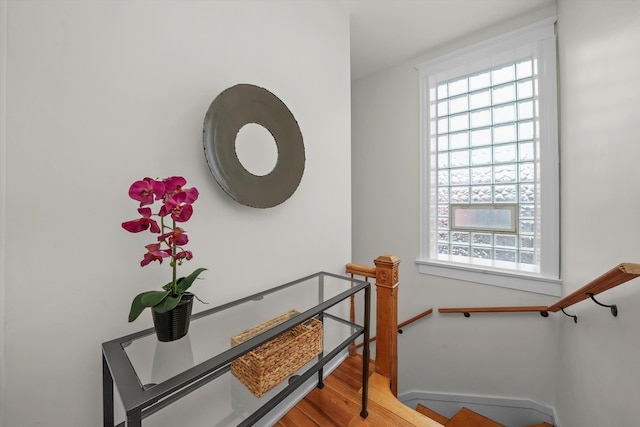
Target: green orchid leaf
[[185, 283], [144, 300], [136, 308], [153, 298], [169, 303], [167, 287]]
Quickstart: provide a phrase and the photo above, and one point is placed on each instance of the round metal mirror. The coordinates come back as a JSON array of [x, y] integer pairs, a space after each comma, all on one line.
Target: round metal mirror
[[229, 112]]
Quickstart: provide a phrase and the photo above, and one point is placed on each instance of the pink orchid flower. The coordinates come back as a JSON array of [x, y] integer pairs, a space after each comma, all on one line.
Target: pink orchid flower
[[154, 253], [141, 224], [177, 206], [146, 191], [173, 186], [176, 237], [184, 255]]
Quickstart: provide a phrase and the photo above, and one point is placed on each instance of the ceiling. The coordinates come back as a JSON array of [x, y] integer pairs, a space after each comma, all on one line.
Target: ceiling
[[385, 33]]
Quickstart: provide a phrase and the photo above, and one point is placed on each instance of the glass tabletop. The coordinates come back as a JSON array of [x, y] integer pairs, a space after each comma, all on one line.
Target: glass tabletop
[[146, 371]]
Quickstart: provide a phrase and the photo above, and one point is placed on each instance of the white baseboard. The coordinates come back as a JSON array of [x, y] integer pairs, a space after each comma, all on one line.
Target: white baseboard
[[508, 411]]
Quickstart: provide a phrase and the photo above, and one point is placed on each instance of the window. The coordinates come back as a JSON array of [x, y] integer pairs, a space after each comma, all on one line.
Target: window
[[489, 163]]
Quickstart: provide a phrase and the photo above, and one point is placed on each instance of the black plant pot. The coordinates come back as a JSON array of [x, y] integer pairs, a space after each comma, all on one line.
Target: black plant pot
[[174, 324]]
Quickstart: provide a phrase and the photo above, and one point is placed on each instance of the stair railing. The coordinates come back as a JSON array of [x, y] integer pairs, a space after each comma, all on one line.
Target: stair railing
[[413, 319], [616, 276], [400, 326], [386, 275], [542, 309]]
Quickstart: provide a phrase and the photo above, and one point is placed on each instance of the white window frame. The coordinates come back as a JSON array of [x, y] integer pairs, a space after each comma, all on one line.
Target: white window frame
[[538, 41]]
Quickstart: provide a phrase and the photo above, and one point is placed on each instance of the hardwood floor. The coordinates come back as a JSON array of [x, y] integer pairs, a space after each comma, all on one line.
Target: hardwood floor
[[338, 403]]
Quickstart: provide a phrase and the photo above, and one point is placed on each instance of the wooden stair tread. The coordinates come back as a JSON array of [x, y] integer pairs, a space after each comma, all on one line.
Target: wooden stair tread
[[443, 420], [467, 418], [432, 414]]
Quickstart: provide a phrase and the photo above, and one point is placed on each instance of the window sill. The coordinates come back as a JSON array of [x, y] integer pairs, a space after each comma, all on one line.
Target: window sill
[[523, 281]]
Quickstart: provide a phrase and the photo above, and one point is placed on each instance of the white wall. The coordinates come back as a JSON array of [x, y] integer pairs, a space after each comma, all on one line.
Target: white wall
[[3, 189], [589, 371], [599, 365], [100, 94]]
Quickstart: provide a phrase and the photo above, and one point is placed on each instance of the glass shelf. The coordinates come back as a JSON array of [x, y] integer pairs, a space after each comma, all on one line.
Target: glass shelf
[[150, 375]]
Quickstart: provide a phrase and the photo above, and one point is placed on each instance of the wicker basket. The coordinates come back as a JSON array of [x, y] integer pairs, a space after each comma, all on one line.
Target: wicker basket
[[266, 366]]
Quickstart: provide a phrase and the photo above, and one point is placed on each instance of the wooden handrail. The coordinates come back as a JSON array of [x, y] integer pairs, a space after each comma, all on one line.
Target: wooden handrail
[[542, 309], [403, 324], [361, 270], [612, 278], [413, 319]]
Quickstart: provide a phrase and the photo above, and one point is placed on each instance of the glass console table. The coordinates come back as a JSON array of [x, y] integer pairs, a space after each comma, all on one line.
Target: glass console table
[[150, 375]]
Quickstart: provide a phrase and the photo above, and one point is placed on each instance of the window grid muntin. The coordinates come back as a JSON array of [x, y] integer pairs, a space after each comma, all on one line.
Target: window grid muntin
[[497, 144]]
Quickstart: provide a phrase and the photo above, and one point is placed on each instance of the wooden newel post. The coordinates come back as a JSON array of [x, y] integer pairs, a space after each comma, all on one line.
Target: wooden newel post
[[387, 318]]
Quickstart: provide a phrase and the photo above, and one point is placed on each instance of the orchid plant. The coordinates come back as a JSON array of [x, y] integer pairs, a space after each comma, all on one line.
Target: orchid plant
[[175, 207]]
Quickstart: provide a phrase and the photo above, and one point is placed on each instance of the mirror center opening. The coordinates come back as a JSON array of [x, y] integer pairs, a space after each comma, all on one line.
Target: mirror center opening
[[256, 149]]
